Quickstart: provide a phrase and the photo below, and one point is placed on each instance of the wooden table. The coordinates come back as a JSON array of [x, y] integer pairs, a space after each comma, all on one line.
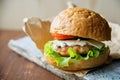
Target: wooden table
[[15, 67]]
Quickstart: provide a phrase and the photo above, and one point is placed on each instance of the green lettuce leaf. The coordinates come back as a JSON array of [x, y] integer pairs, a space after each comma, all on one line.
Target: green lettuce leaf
[[61, 61], [64, 61]]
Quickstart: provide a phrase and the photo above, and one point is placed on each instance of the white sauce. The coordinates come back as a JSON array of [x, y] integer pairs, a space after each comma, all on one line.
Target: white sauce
[[63, 43], [60, 43]]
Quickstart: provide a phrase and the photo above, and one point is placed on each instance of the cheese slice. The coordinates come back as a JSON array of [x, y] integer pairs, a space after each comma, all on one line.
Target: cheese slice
[[95, 43]]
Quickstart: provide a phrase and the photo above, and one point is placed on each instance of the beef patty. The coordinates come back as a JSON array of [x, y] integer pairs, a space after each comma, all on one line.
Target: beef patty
[[78, 49]]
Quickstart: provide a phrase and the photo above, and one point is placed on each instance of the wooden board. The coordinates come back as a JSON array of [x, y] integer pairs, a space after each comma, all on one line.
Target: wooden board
[[15, 67]]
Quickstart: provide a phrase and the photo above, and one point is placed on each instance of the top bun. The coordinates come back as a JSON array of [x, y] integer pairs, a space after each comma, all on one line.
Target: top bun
[[81, 22]]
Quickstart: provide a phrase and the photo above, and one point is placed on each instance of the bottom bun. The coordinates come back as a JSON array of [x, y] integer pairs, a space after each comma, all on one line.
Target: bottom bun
[[81, 64]]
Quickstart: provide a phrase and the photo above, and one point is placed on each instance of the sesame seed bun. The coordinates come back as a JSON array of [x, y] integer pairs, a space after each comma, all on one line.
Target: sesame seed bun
[[81, 22]]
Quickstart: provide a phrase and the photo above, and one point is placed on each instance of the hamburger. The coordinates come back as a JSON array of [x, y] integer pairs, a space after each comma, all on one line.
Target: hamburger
[[78, 34]]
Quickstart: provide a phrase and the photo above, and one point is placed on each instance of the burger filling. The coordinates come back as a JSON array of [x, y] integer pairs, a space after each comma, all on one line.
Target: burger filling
[[82, 50], [65, 51]]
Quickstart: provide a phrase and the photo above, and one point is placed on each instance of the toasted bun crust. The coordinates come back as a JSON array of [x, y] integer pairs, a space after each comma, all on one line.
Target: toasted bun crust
[[82, 23], [82, 64]]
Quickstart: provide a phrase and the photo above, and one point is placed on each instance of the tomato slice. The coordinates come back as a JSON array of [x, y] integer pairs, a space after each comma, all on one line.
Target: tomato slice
[[62, 36]]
